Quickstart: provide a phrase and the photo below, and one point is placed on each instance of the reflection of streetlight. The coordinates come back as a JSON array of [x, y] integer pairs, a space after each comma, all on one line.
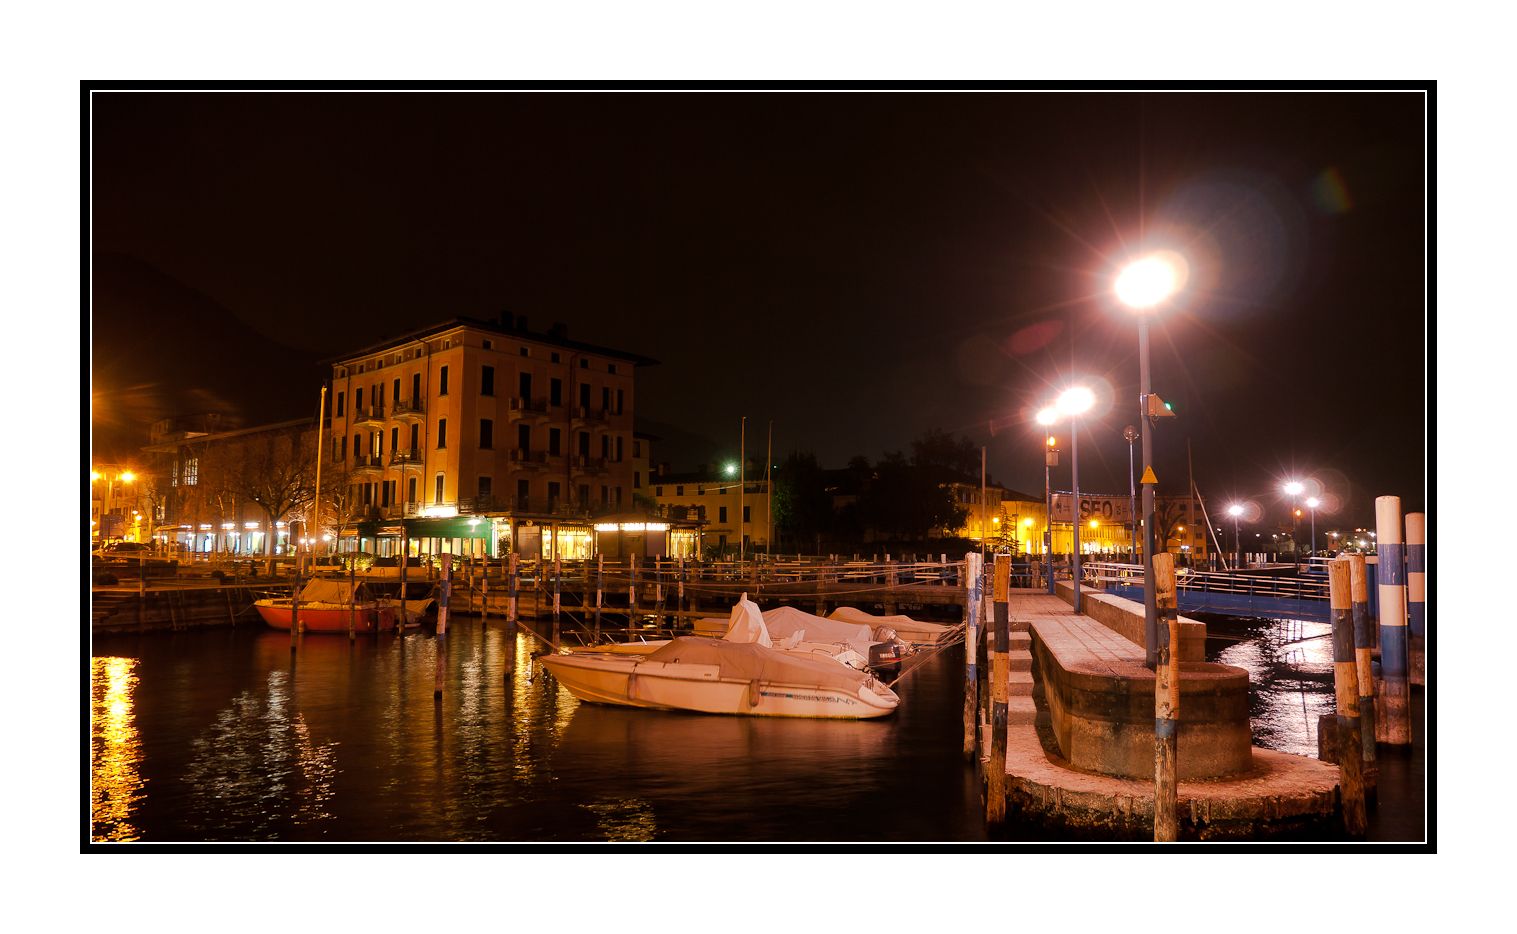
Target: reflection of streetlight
[[1074, 402], [1045, 418], [1141, 286], [1236, 510]]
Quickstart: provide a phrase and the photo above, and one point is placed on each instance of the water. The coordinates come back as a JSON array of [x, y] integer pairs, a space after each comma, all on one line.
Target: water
[[215, 735]]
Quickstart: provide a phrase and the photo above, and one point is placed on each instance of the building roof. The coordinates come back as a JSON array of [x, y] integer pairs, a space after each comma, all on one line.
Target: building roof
[[170, 445], [506, 326]]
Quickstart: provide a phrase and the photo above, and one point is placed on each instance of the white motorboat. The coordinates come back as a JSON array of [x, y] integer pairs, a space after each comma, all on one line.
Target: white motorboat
[[914, 631], [742, 673]]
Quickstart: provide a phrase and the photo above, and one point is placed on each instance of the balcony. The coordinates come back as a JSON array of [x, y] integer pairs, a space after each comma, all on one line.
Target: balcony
[[367, 465], [529, 459], [590, 418], [483, 505], [406, 459], [369, 415], [583, 464], [534, 410], [409, 410]]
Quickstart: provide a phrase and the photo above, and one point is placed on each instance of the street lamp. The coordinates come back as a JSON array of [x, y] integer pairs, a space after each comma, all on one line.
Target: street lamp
[[1144, 285], [1312, 503], [1293, 489], [1047, 417], [1236, 510], [1130, 434], [1073, 403]]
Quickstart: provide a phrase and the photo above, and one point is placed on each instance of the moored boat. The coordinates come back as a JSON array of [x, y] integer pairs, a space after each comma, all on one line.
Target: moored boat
[[328, 606], [915, 631], [740, 675]]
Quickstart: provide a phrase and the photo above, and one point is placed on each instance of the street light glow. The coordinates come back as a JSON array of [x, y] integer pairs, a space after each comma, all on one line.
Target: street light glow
[[1076, 400], [732, 469], [1047, 416], [1150, 280], [127, 476], [1293, 487], [1235, 510], [1313, 502]]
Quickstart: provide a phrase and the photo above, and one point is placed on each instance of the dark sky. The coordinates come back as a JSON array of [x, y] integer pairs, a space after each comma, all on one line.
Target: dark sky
[[857, 267]]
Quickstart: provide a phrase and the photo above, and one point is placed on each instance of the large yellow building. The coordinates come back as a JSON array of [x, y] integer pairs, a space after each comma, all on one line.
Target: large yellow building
[[489, 420]]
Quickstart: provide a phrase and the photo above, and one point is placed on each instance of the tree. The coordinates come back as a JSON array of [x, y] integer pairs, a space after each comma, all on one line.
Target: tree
[[802, 505], [277, 473], [1168, 516], [944, 450], [907, 502]]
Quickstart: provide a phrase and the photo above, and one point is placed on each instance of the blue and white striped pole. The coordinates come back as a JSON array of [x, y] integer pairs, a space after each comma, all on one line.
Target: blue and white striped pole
[[1393, 724], [1416, 593]]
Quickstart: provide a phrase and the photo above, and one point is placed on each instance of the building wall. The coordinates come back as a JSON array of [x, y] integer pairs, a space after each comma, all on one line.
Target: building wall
[[714, 496], [593, 476]]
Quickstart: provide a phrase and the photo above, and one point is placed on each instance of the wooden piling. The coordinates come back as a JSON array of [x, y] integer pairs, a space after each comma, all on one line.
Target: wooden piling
[[1166, 703], [444, 594], [1393, 723], [600, 583], [405, 546], [1346, 687], [558, 576], [352, 598], [631, 594], [512, 580], [1416, 594], [974, 584], [1000, 691], [1364, 644], [295, 610]]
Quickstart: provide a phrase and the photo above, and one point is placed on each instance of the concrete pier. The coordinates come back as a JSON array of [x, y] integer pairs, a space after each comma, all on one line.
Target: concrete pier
[[1092, 776]]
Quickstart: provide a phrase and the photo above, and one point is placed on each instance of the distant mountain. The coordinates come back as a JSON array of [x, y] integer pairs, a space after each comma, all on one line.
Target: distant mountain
[[161, 348]]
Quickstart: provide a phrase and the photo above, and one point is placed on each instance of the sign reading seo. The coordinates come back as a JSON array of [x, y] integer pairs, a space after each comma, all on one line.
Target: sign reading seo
[[1098, 506]]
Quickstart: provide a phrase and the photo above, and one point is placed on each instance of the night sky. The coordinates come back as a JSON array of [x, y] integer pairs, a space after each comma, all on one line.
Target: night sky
[[857, 267]]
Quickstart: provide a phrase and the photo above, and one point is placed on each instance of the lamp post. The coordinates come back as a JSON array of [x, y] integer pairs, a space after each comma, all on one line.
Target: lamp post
[[1047, 417], [1143, 285], [1293, 489], [1130, 434], [1074, 402], [1236, 510], [1312, 503]]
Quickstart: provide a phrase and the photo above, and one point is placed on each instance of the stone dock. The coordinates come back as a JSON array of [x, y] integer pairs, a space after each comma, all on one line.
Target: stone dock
[[1080, 725]]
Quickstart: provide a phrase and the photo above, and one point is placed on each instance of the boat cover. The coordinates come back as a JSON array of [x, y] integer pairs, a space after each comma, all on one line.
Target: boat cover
[[749, 661], [327, 590], [905, 626], [785, 621], [747, 624]]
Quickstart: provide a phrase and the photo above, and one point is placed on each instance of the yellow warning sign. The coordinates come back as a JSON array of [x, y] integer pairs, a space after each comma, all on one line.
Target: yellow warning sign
[[1148, 476]]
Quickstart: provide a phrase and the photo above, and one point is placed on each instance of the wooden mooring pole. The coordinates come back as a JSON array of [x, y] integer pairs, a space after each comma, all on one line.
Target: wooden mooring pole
[[1166, 703], [1364, 645], [558, 576], [1000, 684], [1346, 687], [444, 593], [405, 546], [1416, 594], [631, 594], [512, 580], [974, 586], [1393, 723], [600, 594]]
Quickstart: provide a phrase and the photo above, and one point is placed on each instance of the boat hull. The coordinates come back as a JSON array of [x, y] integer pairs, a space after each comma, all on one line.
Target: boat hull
[[331, 618], [631, 681]]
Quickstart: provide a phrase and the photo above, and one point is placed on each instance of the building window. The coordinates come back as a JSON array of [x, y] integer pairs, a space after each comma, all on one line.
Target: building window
[[746, 517], [553, 494], [584, 364], [394, 440], [584, 396], [523, 494], [605, 496], [525, 352], [584, 494], [358, 400], [357, 445], [415, 446], [721, 514], [555, 439], [605, 447], [618, 449], [387, 493], [524, 387], [618, 402], [489, 343], [486, 434], [484, 487], [437, 496], [637, 479], [191, 471], [339, 402], [556, 391], [395, 390], [658, 491], [679, 491], [442, 433], [554, 357], [610, 368], [411, 490], [442, 382], [618, 497], [605, 399], [524, 438], [415, 390], [637, 448], [584, 444], [487, 381]]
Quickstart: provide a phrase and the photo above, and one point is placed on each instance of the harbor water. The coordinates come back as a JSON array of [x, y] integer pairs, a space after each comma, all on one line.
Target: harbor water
[[224, 735]]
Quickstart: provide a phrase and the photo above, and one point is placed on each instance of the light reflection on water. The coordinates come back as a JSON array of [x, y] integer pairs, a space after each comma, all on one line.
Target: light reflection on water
[[1290, 669], [346, 742]]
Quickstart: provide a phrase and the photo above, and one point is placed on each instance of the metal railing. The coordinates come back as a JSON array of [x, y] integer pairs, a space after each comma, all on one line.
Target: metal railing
[[1289, 588]]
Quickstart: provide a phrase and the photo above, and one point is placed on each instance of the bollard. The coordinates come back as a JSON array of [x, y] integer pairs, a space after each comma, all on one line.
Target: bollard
[[1166, 702], [558, 574], [1000, 690], [295, 611], [1364, 674], [444, 593], [631, 594], [1392, 724], [1416, 594], [1346, 687], [973, 585], [679, 599]]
